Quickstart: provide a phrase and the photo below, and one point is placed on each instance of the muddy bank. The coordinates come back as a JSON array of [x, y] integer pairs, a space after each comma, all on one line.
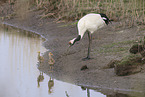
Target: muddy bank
[[108, 43]]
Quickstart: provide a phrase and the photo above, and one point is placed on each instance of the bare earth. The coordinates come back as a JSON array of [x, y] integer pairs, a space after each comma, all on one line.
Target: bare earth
[[108, 43]]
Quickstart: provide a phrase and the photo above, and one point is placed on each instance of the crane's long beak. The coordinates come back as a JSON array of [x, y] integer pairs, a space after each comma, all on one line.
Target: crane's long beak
[[68, 49], [69, 46]]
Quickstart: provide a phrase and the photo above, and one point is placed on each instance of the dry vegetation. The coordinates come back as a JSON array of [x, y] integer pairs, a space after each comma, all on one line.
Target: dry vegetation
[[133, 11], [130, 12]]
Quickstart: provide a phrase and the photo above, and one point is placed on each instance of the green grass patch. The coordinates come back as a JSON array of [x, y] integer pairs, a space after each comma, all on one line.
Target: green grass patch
[[116, 47], [119, 43], [68, 24], [113, 50], [131, 59]]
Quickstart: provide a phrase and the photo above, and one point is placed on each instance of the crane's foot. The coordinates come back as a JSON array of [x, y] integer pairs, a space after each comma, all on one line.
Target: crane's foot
[[87, 58]]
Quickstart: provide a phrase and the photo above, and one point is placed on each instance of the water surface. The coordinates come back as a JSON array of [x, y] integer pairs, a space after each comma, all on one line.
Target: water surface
[[19, 76]]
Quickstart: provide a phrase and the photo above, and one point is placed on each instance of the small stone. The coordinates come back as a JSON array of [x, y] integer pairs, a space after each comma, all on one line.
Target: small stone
[[84, 67]]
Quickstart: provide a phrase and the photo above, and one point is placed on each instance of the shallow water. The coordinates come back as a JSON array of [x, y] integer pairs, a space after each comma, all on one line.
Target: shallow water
[[19, 76]]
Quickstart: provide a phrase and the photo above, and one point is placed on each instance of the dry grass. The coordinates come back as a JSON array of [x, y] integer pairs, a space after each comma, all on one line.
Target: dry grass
[[129, 12], [132, 11]]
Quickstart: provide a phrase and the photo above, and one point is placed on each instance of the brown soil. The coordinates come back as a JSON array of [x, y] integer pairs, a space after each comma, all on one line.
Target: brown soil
[[107, 45]]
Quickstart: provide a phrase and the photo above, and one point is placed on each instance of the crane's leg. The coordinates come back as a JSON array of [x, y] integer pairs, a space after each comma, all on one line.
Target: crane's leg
[[89, 46]]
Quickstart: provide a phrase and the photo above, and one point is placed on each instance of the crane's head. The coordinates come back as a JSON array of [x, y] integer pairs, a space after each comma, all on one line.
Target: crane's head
[[50, 53], [71, 42]]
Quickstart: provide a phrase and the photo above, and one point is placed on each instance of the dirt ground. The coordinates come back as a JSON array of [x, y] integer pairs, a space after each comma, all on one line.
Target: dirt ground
[[109, 43]]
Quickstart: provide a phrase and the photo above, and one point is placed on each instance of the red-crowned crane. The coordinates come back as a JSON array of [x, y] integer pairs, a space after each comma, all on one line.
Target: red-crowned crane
[[90, 23]]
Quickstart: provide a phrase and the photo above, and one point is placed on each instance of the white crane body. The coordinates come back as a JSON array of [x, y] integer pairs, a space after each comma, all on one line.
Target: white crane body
[[91, 23]]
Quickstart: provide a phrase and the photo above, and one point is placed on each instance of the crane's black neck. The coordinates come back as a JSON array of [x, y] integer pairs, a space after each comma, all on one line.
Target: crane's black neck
[[105, 18], [77, 39]]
